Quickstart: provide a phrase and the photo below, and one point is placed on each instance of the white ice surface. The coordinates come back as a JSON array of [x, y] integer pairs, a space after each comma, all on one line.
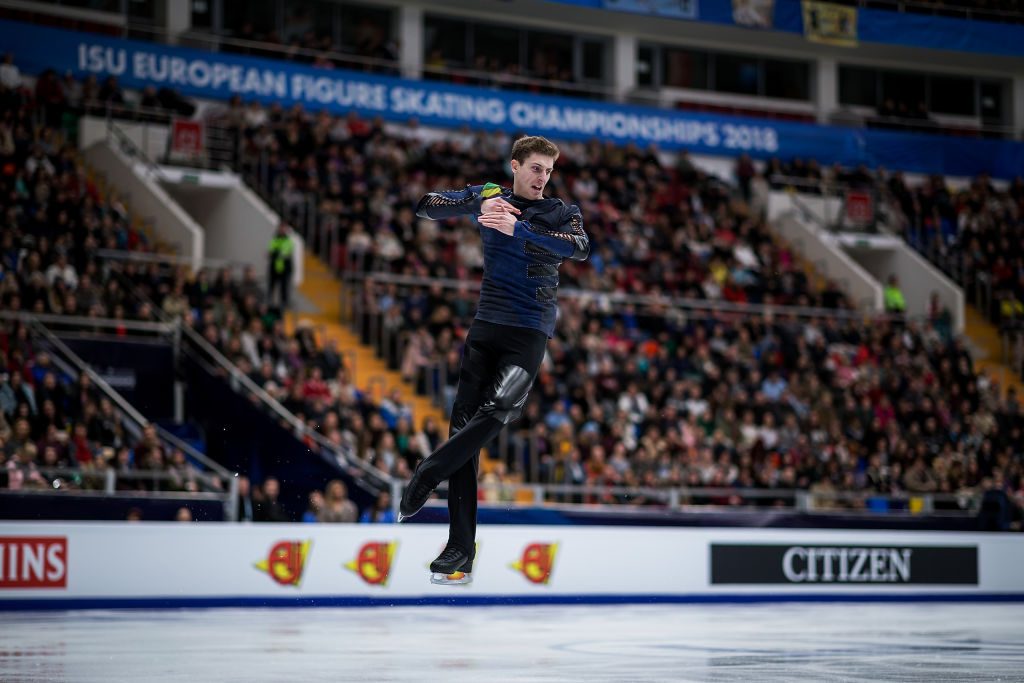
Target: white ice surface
[[769, 642]]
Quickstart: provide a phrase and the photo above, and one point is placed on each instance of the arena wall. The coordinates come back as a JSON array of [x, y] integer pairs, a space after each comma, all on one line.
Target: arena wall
[[104, 565], [812, 244], [150, 200]]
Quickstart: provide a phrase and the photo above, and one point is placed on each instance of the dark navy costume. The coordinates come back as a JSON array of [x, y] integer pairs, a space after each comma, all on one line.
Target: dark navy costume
[[505, 345]]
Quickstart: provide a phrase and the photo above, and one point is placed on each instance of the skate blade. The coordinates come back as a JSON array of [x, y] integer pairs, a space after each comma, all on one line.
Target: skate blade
[[456, 579]]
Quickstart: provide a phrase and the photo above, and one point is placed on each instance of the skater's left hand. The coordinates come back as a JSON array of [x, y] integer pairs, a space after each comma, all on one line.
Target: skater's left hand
[[502, 221]]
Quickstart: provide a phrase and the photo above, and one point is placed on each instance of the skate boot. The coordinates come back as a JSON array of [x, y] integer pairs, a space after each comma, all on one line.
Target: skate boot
[[453, 567], [415, 495]]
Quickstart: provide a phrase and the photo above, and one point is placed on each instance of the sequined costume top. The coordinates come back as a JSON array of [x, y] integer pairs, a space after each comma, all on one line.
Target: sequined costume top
[[520, 271]]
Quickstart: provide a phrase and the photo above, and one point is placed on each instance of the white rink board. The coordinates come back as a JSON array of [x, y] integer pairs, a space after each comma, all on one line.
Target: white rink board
[[218, 564]]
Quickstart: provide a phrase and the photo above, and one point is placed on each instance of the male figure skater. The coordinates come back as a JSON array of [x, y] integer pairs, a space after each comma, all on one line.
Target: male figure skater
[[526, 237]]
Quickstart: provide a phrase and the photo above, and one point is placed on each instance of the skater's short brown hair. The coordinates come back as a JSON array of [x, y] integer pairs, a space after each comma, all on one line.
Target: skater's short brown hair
[[533, 144]]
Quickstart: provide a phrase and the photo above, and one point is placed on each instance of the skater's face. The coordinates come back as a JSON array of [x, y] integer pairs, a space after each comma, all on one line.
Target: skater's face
[[531, 177]]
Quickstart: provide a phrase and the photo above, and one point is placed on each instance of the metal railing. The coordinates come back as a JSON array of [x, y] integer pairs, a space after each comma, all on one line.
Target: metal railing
[[929, 126], [693, 307], [139, 420], [824, 186], [133, 420], [87, 323], [672, 498], [146, 257], [157, 483], [681, 498], [348, 60], [238, 380], [118, 137]]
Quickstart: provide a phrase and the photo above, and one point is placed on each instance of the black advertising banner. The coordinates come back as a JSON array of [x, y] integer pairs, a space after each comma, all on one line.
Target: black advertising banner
[[843, 564]]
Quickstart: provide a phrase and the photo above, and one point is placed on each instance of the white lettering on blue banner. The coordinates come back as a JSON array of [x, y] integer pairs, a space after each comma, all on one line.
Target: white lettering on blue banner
[[199, 73], [318, 89]]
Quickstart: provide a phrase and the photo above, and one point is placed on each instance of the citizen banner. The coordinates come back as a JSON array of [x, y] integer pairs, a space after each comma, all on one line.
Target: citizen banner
[[843, 564], [70, 565], [830, 24]]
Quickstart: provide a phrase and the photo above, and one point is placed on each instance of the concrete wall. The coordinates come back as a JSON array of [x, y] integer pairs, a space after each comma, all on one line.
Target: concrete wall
[[827, 258], [148, 200], [151, 138], [917, 279], [237, 224]]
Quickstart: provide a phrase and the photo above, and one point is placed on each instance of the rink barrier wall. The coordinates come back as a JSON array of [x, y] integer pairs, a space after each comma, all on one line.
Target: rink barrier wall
[[105, 565]]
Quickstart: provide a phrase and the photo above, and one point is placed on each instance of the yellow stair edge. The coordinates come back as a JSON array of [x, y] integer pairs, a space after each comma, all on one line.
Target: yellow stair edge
[[985, 336], [323, 290]]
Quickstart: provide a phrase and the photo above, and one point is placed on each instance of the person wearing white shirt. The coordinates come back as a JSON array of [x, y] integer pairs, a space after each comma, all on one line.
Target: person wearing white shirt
[[634, 403], [254, 116], [10, 75], [39, 160], [63, 270]]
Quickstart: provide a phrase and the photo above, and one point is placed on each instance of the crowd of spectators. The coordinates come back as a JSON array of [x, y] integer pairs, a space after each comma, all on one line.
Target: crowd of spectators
[[660, 228], [645, 394], [655, 398], [903, 116], [372, 48], [547, 75], [55, 219], [975, 233], [58, 100], [330, 506], [648, 394], [60, 433]]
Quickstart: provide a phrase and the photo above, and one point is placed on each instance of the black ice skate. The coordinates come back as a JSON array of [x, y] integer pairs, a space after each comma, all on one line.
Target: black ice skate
[[415, 495], [452, 567]]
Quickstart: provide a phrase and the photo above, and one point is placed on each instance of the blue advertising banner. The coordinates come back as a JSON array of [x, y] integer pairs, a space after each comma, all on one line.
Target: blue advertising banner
[[874, 26], [219, 76], [675, 9], [941, 33]]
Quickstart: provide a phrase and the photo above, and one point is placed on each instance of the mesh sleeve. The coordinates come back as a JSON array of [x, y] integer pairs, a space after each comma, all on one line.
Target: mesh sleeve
[[572, 242], [448, 204]]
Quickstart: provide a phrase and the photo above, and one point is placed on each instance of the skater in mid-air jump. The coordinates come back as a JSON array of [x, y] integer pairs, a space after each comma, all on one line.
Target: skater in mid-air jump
[[526, 237]]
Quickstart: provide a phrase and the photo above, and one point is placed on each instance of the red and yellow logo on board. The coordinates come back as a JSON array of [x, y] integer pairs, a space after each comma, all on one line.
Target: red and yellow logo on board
[[286, 561], [537, 561], [373, 562]]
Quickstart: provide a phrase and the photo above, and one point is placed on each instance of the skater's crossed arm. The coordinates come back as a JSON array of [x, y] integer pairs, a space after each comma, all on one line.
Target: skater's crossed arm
[[569, 242], [473, 200]]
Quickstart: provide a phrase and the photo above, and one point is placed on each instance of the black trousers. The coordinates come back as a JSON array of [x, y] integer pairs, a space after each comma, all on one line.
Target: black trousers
[[281, 282], [499, 365]]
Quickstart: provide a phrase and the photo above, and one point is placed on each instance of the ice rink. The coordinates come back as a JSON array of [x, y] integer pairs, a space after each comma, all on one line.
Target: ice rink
[[765, 642]]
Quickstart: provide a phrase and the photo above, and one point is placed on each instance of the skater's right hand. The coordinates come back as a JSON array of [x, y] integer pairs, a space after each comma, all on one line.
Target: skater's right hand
[[502, 221], [497, 204]]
